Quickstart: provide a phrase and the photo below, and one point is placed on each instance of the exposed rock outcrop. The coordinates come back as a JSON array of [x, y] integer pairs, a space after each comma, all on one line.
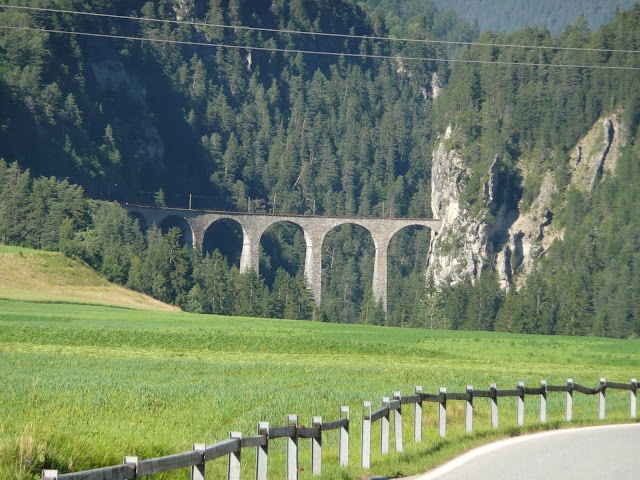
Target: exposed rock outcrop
[[527, 239], [597, 153], [533, 232], [498, 235], [465, 243]]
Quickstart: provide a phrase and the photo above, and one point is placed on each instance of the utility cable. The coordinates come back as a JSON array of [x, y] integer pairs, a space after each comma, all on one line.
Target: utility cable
[[335, 35], [316, 52]]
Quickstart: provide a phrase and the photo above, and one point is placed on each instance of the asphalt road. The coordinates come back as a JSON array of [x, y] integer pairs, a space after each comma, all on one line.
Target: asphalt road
[[605, 452]]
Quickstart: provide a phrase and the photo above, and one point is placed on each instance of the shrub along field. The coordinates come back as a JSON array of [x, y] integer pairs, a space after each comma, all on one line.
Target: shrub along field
[[83, 385]]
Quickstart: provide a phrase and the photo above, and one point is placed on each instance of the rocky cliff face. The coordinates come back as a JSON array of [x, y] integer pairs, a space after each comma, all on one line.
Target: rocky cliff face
[[465, 243], [498, 236], [533, 232]]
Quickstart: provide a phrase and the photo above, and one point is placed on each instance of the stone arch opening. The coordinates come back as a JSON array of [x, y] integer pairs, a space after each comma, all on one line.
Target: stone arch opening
[[175, 221], [226, 236], [407, 263], [142, 222], [347, 257], [282, 245]]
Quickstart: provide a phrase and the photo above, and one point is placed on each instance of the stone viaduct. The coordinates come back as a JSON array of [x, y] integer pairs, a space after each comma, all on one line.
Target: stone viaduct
[[315, 228]]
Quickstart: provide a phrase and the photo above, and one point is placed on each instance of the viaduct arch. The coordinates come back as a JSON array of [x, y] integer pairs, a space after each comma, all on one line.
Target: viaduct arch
[[315, 229]]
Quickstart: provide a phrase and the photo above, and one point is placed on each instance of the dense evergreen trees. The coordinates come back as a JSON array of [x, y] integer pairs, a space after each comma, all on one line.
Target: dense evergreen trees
[[587, 284], [285, 132], [236, 128], [45, 213]]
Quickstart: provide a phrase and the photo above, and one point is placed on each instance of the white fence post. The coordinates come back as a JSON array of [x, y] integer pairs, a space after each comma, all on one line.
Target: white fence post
[[570, 400], [417, 417], [397, 423], [494, 405], [316, 447], [468, 411], [132, 462], [198, 471], [543, 402], [49, 475], [262, 453], [384, 427], [292, 449], [602, 400], [633, 398], [442, 413], [343, 449], [520, 409], [365, 449], [234, 458]]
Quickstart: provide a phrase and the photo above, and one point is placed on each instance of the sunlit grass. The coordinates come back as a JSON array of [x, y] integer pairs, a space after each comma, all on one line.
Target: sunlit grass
[[41, 276], [83, 385]]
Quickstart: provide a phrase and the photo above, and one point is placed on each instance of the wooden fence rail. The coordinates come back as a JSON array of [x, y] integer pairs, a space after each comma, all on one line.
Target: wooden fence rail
[[134, 468], [442, 397]]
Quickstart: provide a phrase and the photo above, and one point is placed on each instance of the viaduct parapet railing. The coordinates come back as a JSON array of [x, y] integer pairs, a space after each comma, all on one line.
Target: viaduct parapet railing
[[314, 228], [232, 448]]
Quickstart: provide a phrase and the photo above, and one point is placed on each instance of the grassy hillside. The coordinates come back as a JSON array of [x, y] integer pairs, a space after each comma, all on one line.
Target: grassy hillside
[[85, 385], [39, 276]]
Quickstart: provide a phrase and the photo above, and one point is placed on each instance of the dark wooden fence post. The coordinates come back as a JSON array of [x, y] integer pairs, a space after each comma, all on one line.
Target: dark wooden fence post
[[262, 453], [198, 471], [417, 416], [292, 448], [365, 450]]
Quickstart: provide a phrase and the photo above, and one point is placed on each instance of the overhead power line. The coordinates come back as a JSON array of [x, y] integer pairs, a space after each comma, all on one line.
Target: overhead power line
[[313, 52], [321, 34]]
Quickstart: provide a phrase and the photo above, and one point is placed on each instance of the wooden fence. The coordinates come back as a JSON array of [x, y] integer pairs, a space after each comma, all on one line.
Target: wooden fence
[[134, 468], [395, 404]]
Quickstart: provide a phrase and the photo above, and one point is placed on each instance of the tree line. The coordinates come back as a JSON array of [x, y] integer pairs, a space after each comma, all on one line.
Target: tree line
[[45, 213], [284, 132], [572, 292], [532, 117], [239, 129]]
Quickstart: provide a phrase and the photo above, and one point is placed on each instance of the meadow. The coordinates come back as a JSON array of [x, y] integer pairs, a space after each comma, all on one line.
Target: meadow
[[41, 276], [84, 385]]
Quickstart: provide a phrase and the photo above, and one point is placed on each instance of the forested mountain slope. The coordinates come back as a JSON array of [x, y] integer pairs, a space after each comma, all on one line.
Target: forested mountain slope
[[555, 146], [329, 134], [236, 128], [247, 129]]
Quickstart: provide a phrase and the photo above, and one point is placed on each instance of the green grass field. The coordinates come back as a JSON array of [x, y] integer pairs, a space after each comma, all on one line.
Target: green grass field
[[82, 386]]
